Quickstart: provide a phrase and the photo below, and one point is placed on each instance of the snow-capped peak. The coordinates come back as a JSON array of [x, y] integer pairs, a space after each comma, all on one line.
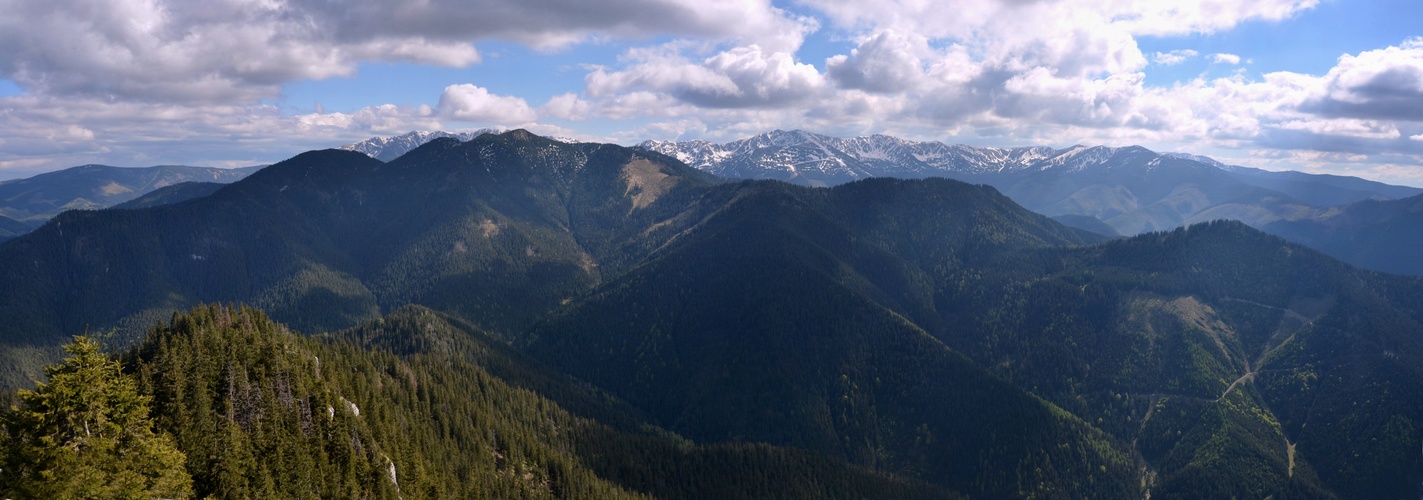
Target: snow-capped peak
[[390, 148], [1198, 158], [816, 159]]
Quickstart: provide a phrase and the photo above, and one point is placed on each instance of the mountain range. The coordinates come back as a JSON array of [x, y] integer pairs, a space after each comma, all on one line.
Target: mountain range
[[1383, 235], [1109, 191], [818, 160], [27, 203], [1131, 190], [390, 148], [931, 332]]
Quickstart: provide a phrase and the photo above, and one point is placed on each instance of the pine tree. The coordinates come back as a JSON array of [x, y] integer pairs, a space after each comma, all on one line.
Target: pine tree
[[87, 433]]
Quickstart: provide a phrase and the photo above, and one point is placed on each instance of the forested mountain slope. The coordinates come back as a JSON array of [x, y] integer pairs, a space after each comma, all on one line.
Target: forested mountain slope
[[175, 193], [929, 333], [1383, 235], [499, 230], [411, 407], [1233, 360]]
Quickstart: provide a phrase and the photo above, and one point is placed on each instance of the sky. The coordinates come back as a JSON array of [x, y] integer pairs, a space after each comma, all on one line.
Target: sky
[[1322, 86]]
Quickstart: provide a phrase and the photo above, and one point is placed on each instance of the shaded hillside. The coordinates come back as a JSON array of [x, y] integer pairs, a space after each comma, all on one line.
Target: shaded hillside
[[1324, 190], [10, 228], [611, 437], [1210, 348], [168, 195], [421, 416], [1380, 235], [98, 186], [808, 326], [498, 230], [1135, 190], [1087, 223], [786, 337]]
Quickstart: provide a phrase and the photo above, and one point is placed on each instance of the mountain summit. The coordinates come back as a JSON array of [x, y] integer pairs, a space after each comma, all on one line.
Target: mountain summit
[[820, 160], [390, 148], [1132, 189]]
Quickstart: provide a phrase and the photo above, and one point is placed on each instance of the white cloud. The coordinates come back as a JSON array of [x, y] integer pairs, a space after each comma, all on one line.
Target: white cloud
[[381, 119], [1343, 127], [186, 52], [747, 76], [674, 129], [1174, 57], [566, 106], [1065, 63], [886, 62], [243, 50], [1151, 17], [1055, 70], [1379, 84], [41, 134], [1056, 32], [147, 81], [472, 103]]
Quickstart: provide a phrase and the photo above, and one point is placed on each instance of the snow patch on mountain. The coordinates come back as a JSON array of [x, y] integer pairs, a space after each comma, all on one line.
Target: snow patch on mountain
[[390, 148], [816, 159], [821, 160], [1201, 159]]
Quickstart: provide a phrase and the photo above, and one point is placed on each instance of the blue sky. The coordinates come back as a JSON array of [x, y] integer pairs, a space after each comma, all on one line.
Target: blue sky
[[1326, 86]]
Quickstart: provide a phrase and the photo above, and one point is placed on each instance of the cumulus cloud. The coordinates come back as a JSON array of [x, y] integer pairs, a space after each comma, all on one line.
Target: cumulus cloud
[[1376, 84], [1115, 101], [674, 129], [1036, 30], [1174, 57], [241, 50], [566, 106], [1045, 71], [1364, 129], [1017, 67], [120, 78], [747, 76], [1065, 62], [169, 51], [379, 119], [887, 62], [472, 103], [42, 133]]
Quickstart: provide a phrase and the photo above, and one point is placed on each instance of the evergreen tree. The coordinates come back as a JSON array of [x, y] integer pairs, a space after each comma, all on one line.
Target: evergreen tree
[[87, 434]]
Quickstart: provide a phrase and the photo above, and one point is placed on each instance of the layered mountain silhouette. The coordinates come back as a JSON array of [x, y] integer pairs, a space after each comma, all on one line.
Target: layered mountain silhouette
[[10, 228], [27, 203], [928, 330], [175, 193], [390, 148], [1383, 235], [1131, 189]]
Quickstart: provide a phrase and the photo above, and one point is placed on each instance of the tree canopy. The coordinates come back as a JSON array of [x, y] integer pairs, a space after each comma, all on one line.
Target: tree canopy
[[87, 434]]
